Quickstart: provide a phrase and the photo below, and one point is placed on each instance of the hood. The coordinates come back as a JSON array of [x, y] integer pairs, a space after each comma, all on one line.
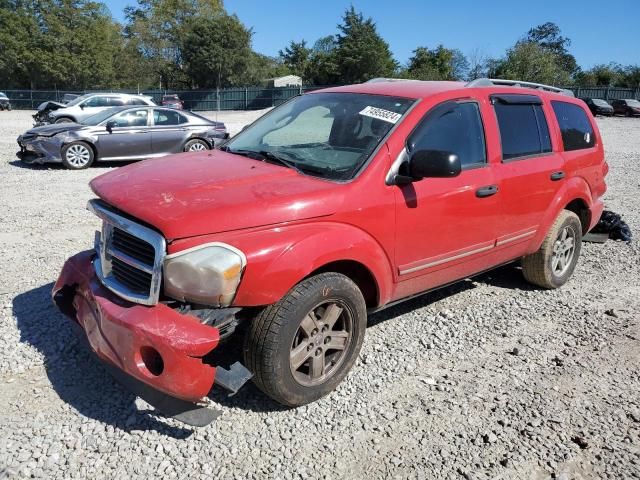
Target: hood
[[53, 129], [48, 106], [197, 193]]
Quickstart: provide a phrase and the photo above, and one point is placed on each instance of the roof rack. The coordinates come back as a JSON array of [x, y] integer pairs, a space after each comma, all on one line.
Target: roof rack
[[490, 82]]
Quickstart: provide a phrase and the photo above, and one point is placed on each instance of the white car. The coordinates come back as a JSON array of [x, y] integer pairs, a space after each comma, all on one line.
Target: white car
[[85, 106]]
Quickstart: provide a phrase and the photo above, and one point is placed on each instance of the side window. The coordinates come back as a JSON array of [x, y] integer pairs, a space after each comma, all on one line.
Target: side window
[[167, 117], [135, 101], [116, 102], [452, 127], [131, 118], [97, 102], [523, 129], [577, 132]]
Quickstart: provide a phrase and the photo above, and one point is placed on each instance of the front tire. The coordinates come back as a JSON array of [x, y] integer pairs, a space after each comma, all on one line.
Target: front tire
[[553, 264], [302, 347], [77, 155], [196, 145]]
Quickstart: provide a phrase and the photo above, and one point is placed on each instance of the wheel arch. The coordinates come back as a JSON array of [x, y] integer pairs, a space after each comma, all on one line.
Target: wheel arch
[[359, 274], [196, 138], [89, 143], [581, 209]]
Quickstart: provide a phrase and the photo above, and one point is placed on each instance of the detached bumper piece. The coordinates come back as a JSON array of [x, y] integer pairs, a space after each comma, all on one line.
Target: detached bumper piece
[[154, 351]]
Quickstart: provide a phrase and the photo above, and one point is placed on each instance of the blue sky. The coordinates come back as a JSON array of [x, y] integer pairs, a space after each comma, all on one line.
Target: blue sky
[[600, 31]]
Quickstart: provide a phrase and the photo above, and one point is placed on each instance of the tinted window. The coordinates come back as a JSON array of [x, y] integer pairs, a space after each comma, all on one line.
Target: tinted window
[[575, 126], [455, 128], [168, 117], [523, 130], [136, 101]]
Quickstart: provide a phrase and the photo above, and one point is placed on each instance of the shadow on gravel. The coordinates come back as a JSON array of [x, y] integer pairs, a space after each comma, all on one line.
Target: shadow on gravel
[[58, 166], [76, 376]]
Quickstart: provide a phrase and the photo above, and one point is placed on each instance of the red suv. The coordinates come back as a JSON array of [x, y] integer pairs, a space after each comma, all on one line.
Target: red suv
[[336, 204]]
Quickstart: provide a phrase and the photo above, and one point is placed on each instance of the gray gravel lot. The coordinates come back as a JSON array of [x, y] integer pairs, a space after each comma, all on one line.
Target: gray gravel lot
[[489, 378]]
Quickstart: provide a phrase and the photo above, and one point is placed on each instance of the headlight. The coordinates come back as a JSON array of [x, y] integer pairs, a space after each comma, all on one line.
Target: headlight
[[208, 274]]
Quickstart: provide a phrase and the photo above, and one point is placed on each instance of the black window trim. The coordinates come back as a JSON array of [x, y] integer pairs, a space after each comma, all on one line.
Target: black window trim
[[588, 117], [460, 100], [531, 155]]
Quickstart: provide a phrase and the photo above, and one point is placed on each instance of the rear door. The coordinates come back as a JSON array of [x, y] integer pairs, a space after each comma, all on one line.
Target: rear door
[[531, 169], [169, 131]]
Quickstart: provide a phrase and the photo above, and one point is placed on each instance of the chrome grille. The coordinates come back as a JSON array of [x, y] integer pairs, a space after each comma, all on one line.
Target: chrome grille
[[129, 256]]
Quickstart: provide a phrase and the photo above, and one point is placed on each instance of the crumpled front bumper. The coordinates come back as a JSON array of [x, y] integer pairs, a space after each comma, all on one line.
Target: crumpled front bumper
[[156, 345], [40, 150]]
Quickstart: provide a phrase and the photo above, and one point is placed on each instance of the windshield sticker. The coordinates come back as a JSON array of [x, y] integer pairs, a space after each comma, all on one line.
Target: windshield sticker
[[381, 114]]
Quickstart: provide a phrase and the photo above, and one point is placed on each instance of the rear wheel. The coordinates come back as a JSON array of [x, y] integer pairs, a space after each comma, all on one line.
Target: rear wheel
[[196, 145], [553, 264], [77, 155], [302, 347]]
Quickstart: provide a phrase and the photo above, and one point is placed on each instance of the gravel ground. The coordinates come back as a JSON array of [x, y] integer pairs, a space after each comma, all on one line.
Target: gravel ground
[[489, 378]]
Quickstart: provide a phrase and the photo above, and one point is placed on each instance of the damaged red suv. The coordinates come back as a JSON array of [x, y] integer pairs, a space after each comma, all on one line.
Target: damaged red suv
[[336, 204]]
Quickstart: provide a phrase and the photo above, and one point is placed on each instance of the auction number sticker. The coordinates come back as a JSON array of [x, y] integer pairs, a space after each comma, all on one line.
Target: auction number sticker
[[381, 114]]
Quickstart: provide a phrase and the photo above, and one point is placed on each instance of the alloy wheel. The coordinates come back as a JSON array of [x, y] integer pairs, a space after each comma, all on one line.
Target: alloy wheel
[[320, 343], [197, 147], [78, 155], [563, 250]]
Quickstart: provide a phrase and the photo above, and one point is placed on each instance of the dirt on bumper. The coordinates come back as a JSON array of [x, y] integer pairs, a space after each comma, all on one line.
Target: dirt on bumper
[[156, 345]]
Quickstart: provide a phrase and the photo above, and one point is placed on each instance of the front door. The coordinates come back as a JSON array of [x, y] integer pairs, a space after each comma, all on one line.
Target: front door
[[446, 227], [128, 139]]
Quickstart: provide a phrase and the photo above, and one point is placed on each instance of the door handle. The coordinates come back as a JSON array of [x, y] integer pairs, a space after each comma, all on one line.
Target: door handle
[[487, 191], [555, 176]]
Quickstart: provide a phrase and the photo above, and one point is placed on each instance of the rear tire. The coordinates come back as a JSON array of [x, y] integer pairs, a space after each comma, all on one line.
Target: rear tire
[[553, 264], [77, 156], [196, 145], [302, 347]]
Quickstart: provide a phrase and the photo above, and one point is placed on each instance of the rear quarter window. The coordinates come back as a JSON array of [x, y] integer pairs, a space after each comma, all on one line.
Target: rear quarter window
[[576, 129]]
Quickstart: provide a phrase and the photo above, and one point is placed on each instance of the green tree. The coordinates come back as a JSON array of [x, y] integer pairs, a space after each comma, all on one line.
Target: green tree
[[528, 61], [296, 58], [600, 75], [159, 28], [217, 51], [548, 36], [361, 53], [438, 64], [322, 68]]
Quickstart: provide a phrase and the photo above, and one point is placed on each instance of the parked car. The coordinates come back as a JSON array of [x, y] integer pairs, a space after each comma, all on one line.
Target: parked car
[[627, 107], [120, 133], [337, 203], [598, 106], [5, 103], [172, 101], [85, 106]]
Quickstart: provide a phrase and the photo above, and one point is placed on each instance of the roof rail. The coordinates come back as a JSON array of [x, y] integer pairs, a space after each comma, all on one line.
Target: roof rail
[[490, 82]]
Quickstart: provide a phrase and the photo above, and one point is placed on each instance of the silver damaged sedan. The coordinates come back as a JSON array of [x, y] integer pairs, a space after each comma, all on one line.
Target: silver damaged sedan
[[120, 133]]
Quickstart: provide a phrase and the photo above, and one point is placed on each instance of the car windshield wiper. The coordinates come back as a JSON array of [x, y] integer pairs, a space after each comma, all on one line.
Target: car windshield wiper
[[266, 156]]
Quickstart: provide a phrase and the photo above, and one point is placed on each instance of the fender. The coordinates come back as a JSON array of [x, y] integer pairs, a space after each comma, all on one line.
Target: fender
[[280, 257], [575, 188]]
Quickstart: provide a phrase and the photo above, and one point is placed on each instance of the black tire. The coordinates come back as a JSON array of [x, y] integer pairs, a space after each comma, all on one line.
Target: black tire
[[196, 145], [549, 267], [279, 331], [64, 120], [77, 155]]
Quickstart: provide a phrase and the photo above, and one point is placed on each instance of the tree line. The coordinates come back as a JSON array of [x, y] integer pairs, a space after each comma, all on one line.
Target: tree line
[[186, 44]]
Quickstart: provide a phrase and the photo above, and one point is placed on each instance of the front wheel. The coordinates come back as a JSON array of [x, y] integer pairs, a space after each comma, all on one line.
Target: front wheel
[[64, 120], [302, 347], [77, 155], [553, 264], [196, 145]]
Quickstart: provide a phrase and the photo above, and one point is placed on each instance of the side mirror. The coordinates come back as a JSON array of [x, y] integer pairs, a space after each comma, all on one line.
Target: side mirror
[[434, 164], [110, 125], [81, 106]]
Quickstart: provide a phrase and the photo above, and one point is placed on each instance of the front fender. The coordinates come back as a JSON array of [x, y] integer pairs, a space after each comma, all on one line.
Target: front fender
[[575, 188], [280, 257]]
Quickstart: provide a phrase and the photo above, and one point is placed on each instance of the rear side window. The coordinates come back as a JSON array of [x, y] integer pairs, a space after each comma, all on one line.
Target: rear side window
[[452, 127], [135, 101], [168, 117], [523, 130], [577, 132]]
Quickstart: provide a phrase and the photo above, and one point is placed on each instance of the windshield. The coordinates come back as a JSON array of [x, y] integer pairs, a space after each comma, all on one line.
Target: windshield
[[633, 103], [328, 135], [101, 116], [600, 103]]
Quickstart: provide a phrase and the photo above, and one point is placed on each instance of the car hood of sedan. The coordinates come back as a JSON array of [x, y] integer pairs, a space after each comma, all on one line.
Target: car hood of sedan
[[54, 129], [197, 193]]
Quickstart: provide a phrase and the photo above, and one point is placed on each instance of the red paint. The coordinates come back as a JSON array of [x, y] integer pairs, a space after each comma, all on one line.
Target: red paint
[[117, 330], [289, 225]]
